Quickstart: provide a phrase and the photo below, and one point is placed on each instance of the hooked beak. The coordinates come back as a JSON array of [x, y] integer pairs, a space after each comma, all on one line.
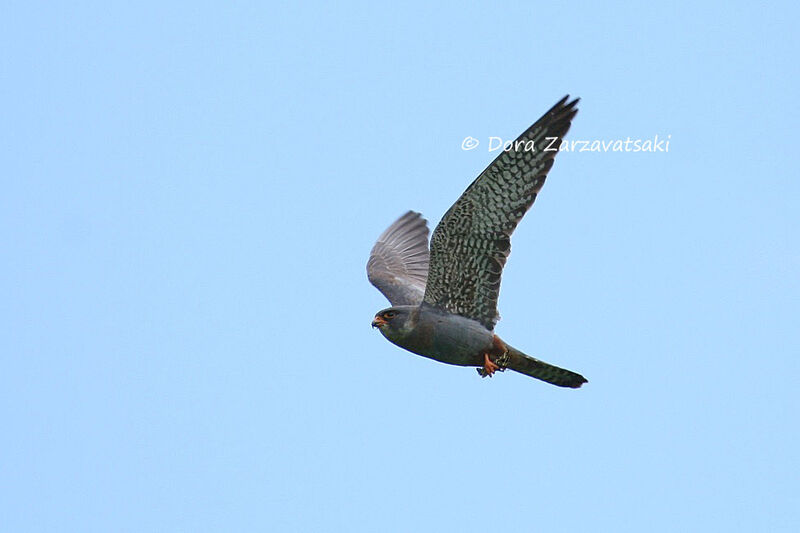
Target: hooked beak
[[378, 322]]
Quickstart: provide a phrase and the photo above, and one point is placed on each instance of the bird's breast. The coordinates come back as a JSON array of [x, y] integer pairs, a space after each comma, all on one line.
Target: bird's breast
[[448, 338]]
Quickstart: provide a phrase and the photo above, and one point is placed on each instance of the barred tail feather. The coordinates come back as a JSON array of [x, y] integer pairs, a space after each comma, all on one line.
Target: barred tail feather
[[525, 364]]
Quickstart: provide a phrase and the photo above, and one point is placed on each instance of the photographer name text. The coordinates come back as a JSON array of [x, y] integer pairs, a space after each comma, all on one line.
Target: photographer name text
[[555, 144]]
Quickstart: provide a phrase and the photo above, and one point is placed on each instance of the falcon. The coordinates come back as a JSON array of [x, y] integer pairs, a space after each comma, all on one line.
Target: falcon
[[444, 301]]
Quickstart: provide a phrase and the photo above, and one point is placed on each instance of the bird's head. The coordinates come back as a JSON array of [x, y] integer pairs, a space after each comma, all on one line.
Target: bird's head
[[394, 321]]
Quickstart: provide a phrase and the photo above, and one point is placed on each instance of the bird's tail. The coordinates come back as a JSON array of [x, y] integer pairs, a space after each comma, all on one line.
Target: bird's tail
[[525, 364]]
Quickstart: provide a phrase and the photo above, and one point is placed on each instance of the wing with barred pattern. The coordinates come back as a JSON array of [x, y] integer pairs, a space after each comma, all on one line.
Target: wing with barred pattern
[[470, 245]]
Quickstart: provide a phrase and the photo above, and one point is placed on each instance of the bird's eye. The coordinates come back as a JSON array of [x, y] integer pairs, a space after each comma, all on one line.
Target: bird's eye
[[389, 314]]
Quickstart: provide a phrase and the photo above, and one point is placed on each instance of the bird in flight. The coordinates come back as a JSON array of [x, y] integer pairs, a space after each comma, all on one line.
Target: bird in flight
[[444, 302]]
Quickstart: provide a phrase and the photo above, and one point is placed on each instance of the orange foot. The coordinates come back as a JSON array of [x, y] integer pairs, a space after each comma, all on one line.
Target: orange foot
[[489, 368]]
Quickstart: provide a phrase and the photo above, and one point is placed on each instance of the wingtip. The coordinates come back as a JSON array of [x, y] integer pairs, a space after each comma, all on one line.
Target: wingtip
[[410, 216], [570, 104], [565, 99], [564, 107]]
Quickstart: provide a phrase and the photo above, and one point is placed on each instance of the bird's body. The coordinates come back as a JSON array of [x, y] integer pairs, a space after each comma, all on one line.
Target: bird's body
[[445, 301], [433, 333]]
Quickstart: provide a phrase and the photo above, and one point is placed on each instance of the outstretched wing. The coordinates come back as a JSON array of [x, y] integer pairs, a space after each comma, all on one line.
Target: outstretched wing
[[398, 263], [470, 245]]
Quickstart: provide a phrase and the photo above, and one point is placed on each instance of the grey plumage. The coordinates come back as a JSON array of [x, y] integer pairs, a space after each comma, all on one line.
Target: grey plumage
[[445, 302], [530, 366], [471, 244], [398, 263]]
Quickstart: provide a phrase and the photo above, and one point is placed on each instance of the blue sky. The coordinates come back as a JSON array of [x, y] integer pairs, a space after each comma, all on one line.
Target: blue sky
[[189, 196]]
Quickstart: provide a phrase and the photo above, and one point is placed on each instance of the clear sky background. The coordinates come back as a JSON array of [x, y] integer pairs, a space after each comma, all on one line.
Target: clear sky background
[[189, 197]]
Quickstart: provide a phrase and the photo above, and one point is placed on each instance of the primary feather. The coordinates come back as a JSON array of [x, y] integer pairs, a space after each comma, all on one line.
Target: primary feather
[[398, 263], [470, 245]]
